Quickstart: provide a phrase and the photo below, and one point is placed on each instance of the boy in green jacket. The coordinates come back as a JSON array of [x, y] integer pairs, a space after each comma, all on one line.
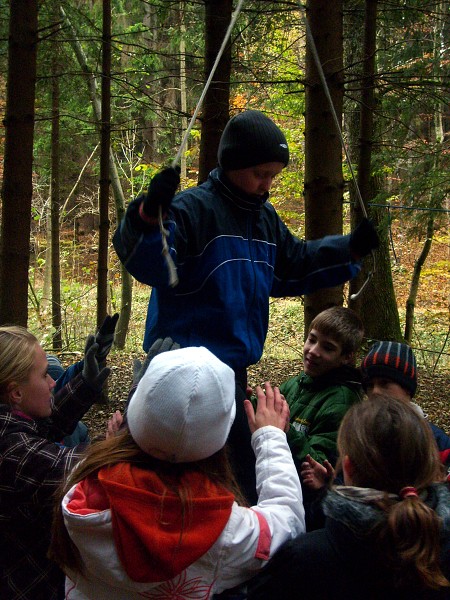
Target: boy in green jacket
[[319, 397]]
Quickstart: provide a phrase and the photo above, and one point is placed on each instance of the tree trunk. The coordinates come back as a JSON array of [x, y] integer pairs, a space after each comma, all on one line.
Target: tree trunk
[[215, 113], [18, 162], [119, 199], [105, 145], [183, 92], [323, 188], [414, 287], [55, 200], [380, 318]]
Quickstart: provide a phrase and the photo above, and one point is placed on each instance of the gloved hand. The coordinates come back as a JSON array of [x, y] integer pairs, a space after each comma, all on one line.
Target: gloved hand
[[160, 345], [364, 239], [92, 374], [161, 191], [105, 336]]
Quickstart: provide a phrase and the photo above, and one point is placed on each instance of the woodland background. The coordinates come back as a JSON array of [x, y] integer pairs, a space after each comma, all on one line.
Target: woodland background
[[97, 96]]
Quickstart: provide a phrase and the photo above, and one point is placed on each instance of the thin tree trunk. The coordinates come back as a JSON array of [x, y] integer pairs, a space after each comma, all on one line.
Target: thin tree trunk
[[105, 145], [119, 198], [183, 92], [415, 280], [18, 162], [55, 200], [324, 183]]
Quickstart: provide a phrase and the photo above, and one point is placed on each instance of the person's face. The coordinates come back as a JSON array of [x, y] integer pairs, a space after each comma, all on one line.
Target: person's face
[[34, 396], [257, 180], [321, 354], [382, 385]]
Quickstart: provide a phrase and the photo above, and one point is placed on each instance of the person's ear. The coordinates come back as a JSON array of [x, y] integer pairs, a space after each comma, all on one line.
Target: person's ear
[[14, 393], [348, 358], [348, 469]]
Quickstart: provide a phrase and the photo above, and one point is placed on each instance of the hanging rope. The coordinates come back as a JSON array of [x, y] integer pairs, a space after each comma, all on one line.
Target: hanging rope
[[326, 90], [173, 277]]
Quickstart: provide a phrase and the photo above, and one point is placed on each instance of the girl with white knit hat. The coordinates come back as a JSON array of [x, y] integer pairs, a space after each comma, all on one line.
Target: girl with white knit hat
[[154, 512]]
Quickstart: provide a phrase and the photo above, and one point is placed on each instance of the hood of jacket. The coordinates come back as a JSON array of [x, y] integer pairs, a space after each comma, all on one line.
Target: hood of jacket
[[354, 507], [156, 534]]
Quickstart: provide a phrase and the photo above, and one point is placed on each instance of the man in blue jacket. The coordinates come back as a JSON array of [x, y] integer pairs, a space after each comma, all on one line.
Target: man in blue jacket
[[232, 252]]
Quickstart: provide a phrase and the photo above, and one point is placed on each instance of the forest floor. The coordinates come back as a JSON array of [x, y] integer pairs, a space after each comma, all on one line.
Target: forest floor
[[433, 393]]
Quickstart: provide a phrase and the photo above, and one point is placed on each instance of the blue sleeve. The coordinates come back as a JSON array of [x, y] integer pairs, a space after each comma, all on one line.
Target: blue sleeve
[[306, 266], [68, 374], [139, 247], [442, 439]]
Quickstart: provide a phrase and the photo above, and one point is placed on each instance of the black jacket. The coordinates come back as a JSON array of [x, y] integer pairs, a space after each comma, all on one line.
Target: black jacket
[[335, 563]]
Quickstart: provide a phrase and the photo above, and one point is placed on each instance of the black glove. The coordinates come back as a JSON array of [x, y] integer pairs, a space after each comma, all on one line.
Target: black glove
[[364, 239], [161, 345], [161, 191], [105, 336], [92, 374]]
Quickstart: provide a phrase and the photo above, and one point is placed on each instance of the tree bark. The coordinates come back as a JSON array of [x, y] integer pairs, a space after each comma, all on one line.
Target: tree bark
[[215, 113], [18, 162], [105, 145], [324, 183], [55, 200], [119, 198]]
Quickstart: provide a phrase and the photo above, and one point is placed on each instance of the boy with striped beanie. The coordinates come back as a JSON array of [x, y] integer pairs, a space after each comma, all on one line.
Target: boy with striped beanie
[[390, 368]]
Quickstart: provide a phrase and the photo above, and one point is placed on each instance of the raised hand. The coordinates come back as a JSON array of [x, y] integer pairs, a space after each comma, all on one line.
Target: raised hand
[[271, 409], [314, 475]]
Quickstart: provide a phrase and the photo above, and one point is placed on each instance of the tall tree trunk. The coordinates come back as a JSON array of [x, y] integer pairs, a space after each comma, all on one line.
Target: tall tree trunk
[[381, 319], [119, 198], [55, 200], [183, 92], [324, 183], [105, 145], [18, 162], [215, 113]]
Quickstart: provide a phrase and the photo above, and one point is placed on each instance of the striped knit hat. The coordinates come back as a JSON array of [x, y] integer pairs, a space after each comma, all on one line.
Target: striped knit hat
[[391, 360]]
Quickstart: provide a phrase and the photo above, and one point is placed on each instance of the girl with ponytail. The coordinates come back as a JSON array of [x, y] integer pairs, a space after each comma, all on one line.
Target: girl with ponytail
[[387, 530]]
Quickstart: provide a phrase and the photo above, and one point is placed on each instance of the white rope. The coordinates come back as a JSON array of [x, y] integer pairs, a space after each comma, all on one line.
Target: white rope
[[173, 277], [316, 57], [234, 17]]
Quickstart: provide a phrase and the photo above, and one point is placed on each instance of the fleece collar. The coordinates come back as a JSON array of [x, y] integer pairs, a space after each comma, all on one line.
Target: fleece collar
[[156, 539]]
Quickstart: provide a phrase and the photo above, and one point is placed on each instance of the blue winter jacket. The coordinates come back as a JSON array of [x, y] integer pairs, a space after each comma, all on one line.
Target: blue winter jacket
[[232, 252]]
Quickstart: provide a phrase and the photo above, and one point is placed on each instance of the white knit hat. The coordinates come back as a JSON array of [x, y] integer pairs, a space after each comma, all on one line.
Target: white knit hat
[[184, 406]]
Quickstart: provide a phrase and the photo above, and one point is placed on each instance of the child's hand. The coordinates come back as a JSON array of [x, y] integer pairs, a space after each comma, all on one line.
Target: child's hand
[[114, 424], [272, 409], [314, 475]]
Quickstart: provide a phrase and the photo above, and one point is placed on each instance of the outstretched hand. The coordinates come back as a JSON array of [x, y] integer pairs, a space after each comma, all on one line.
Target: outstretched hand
[[271, 409], [314, 475], [105, 336], [93, 374], [159, 346]]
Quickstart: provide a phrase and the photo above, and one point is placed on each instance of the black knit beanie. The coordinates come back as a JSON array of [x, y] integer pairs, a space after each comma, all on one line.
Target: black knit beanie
[[391, 360], [250, 138]]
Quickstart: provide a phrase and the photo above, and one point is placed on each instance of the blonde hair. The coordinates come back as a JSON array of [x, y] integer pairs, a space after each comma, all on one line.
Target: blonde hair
[[392, 447], [342, 325], [122, 448], [17, 353]]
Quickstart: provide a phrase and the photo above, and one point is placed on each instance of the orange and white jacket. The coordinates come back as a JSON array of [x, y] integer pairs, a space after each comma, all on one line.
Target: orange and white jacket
[[136, 542]]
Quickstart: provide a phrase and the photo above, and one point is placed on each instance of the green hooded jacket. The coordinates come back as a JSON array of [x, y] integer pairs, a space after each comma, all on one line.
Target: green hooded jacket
[[317, 407]]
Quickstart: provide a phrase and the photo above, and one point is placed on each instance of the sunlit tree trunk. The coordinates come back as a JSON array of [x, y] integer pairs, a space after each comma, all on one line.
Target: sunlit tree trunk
[[324, 183], [18, 162]]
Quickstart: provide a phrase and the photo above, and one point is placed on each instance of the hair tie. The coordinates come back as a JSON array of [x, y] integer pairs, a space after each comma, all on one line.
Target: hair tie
[[408, 492]]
